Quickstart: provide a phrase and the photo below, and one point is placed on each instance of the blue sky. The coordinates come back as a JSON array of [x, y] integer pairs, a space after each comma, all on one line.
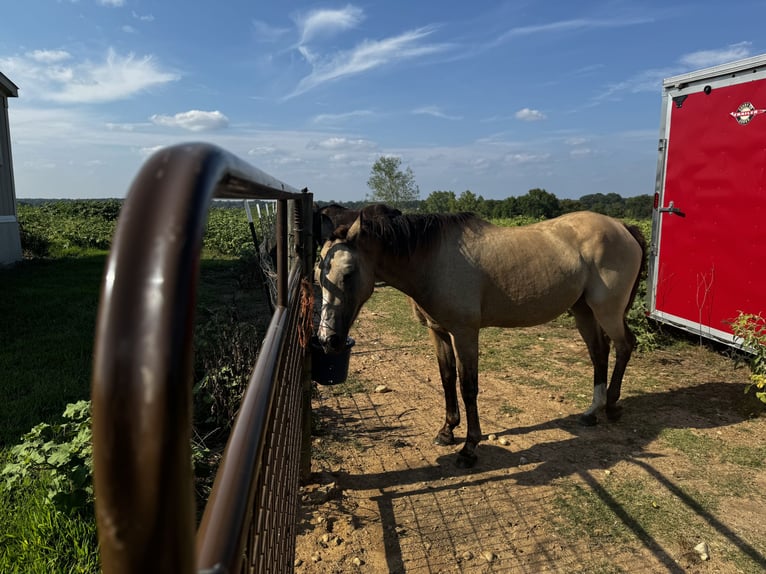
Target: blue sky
[[495, 97]]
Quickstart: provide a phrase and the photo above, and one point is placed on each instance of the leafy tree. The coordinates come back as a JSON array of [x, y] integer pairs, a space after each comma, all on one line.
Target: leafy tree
[[469, 201], [391, 185], [639, 207], [539, 203], [570, 205], [439, 202]]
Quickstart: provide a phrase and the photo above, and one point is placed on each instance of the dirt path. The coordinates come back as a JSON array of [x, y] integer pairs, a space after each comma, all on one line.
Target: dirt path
[[546, 495]]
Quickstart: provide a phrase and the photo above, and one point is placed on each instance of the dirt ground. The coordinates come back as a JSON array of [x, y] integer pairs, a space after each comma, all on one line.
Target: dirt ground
[[546, 495]]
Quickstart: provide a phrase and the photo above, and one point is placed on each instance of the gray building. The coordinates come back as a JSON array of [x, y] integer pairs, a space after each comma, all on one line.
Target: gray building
[[10, 242]]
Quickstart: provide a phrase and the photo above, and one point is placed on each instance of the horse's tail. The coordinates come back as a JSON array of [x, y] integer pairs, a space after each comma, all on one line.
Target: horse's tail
[[641, 240]]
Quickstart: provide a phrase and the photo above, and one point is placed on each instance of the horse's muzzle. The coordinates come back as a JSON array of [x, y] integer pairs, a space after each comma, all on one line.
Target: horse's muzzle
[[333, 344]]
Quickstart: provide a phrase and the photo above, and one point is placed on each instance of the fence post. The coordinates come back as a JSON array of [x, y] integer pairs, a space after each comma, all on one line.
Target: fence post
[[309, 255]]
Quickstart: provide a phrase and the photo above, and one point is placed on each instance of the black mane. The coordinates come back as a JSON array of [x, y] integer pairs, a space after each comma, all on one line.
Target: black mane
[[404, 234]]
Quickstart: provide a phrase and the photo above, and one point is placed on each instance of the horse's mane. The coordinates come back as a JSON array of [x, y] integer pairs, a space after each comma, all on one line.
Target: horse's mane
[[403, 234]]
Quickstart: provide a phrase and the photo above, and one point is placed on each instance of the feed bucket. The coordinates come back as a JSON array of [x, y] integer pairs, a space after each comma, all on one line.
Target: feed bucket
[[330, 369]]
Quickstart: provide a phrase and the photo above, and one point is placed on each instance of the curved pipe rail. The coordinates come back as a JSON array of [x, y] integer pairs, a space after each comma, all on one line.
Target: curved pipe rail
[[142, 371]]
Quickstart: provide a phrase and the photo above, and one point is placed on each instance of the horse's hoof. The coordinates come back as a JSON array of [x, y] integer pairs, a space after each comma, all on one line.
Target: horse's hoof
[[613, 412], [588, 420], [444, 439], [465, 460]]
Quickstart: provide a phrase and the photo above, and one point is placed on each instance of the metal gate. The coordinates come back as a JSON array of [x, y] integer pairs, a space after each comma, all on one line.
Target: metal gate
[[142, 381]]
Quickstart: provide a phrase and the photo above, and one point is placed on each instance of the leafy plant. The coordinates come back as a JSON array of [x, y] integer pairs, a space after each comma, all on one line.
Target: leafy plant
[[64, 452], [751, 330]]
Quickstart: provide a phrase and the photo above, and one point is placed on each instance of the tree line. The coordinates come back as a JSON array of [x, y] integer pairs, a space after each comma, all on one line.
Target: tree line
[[536, 203], [392, 185]]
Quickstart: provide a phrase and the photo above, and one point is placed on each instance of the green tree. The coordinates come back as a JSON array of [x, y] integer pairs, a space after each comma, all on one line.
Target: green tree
[[639, 207], [439, 202], [469, 201], [539, 203], [391, 185]]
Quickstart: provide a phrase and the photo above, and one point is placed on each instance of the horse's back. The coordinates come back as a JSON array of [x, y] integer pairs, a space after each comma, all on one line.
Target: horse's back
[[536, 272]]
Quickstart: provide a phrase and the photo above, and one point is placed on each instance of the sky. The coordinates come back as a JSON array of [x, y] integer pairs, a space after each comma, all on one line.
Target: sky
[[489, 96]]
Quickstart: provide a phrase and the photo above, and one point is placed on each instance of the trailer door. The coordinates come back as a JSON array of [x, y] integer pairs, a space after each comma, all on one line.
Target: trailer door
[[711, 254]]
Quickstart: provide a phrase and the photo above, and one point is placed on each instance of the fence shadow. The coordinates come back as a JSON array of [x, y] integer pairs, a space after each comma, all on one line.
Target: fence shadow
[[586, 450]]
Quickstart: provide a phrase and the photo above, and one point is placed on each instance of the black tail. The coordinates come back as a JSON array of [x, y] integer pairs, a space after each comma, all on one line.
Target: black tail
[[641, 240]]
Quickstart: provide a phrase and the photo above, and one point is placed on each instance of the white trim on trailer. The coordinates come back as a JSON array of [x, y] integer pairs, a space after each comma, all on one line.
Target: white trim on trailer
[[714, 71], [696, 328]]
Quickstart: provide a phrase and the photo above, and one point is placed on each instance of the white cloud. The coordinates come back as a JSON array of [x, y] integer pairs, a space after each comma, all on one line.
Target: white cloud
[[706, 58], [334, 118], [521, 158], [128, 29], [144, 17], [651, 80], [325, 22], [569, 25], [193, 120], [262, 150], [435, 112], [366, 56], [116, 78], [529, 115], [147, 151], [48, 56], [338, 143], [580, 152], [115, 3]]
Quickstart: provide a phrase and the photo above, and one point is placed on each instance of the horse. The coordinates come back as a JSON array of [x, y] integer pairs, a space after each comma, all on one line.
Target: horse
[[329, 217], [464, 273]]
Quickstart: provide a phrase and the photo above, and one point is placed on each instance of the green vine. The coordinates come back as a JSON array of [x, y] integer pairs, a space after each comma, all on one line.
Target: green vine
[[751, 330]]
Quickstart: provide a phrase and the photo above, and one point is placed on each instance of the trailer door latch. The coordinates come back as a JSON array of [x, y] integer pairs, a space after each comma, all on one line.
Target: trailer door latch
[[672, 209]]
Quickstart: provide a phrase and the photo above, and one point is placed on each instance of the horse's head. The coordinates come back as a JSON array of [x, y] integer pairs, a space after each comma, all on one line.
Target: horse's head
[[346, 273]]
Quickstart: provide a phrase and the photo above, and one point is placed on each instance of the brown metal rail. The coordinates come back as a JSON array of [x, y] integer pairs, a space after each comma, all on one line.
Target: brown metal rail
[[142, 380]]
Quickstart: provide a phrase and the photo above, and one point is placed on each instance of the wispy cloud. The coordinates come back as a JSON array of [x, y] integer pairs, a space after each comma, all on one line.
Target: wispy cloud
[[651, 79], [567, 26], [529, 115], [143, 17], [52, 75], [193, 120], [339, 118], [367, 56], [267, 33], [115, 3], [48, 56], [706, 58], [342, 143], [435, 112], [327, 22]]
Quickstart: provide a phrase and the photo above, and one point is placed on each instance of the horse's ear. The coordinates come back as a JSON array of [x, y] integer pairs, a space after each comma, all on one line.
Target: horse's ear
[[324, 226], [340, 232]]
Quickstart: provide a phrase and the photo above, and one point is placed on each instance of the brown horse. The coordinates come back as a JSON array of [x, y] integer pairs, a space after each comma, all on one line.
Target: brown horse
[[465, 273]]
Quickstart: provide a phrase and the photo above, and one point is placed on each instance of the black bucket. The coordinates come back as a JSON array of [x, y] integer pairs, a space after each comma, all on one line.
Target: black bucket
[[330, 369]]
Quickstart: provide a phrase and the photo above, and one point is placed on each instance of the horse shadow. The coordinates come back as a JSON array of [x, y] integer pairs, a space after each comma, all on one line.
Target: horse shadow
[[587, 449]]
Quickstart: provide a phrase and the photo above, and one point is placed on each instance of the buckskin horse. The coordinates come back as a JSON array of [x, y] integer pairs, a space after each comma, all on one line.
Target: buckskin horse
[[465, 273]]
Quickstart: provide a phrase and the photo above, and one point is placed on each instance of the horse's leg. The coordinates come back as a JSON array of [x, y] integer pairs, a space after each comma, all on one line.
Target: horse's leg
[[598, 349], [467, 351], [446, 357], [623, 345]]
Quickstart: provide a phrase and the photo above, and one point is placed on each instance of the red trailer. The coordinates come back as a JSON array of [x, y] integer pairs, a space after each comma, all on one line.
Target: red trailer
[[708, 256]]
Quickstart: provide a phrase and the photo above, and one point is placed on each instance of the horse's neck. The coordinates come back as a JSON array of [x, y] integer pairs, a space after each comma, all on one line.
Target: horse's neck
[[408, 275]]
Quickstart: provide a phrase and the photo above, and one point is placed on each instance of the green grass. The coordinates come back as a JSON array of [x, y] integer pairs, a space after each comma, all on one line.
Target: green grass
[[394, 314], [699, 447], [49, 310], [347, 388], [49, 313], [36, 539]]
